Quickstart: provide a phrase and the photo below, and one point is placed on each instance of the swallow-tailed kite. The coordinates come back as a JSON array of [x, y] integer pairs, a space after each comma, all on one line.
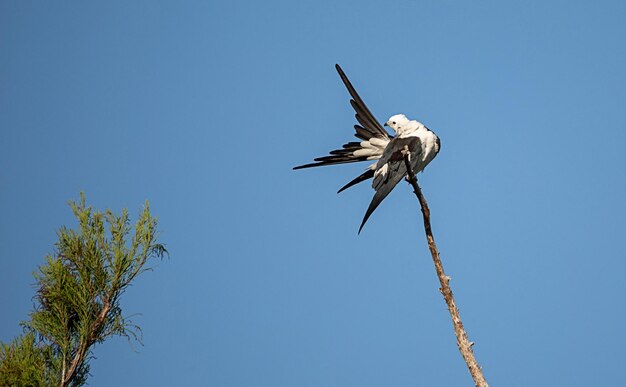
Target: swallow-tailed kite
[[376, 144]]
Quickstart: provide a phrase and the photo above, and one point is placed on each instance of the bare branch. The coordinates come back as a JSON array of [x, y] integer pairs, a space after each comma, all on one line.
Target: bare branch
[[462, 340]]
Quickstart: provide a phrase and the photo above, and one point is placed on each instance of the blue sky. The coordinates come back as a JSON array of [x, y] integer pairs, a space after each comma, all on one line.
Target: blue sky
[[203, 108]]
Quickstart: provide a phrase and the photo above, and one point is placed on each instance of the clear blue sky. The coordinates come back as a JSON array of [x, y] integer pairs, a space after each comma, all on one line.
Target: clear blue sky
[[204, 107]]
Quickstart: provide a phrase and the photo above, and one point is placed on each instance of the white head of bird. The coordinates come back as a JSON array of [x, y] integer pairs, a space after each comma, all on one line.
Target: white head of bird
[[402, 125], [397, 123]]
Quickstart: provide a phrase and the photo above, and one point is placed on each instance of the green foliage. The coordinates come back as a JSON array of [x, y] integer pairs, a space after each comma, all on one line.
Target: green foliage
[[24, 362], [77, 301]]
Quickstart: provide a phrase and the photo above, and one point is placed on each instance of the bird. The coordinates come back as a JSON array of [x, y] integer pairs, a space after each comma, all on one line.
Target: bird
[[387, 150]]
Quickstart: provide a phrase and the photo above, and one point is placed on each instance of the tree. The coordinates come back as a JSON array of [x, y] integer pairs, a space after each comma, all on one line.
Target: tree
[[77, 303]]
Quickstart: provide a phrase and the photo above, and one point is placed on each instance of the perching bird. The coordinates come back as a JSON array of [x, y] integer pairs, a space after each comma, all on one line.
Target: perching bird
[[377, 144]]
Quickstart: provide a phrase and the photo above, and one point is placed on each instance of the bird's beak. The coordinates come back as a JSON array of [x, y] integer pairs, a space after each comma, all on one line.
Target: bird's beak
[[385, 124]]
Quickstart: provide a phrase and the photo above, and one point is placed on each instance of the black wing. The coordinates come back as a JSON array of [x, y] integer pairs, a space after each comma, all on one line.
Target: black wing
[[367, 129], [370, 127], [338, 156], [391, 169]]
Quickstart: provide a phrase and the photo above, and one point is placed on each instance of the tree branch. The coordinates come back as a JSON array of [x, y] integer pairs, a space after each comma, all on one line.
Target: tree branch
[[462, 341], [79, 357]]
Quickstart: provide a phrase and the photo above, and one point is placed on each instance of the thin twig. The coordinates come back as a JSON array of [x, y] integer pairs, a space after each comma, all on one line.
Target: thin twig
[[462, 341]]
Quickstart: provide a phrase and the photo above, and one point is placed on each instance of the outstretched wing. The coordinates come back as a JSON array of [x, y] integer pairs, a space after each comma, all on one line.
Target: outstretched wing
[[350, 153], [391, 169], [370, 127], [374, 138]]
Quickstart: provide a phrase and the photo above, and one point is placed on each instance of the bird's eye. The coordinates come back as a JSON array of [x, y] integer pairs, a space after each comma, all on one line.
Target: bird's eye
[[393, 122]]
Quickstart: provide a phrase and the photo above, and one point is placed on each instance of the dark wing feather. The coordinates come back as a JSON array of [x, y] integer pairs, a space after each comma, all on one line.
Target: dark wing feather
[[384, 183], [363, 114], [337, 156]]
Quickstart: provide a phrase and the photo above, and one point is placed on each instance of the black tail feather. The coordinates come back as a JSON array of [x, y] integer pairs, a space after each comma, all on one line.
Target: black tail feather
[[364, 176], [376, 200]]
